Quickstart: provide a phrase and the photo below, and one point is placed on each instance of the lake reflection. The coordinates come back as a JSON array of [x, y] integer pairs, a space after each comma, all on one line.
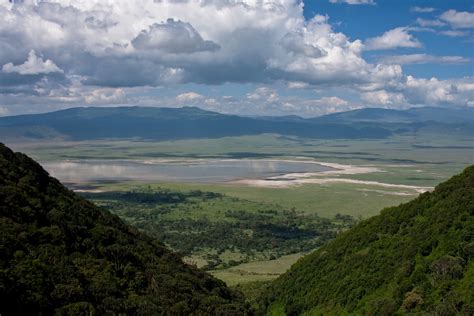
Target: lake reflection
[[206, 170]]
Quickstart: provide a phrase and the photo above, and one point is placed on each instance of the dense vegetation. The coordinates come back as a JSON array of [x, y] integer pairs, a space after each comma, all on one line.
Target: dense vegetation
[[223, 231], [62, 255], [416, 258]]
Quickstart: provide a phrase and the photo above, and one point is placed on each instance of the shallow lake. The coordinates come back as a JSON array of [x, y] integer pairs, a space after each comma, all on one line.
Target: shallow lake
[[200, 170]]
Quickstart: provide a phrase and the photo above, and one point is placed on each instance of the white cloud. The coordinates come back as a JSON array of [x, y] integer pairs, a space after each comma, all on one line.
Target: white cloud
[[4, 111], [354, 2], [438, 92], [424, 59], [420, 91], [333, 101], [264, 94], [34, 65], [422, 9], [384, 98], [458, 19], [429, 23], [115, 52], [454, 33], [297, 85], [189, 97], [267, 101], [325, 105], [105, 96], [173, 37], [397, 37], [295, 43], [154, 43]]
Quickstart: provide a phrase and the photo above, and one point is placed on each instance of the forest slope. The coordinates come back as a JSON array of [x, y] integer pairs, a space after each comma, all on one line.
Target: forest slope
[[413, 258], [60, 254]]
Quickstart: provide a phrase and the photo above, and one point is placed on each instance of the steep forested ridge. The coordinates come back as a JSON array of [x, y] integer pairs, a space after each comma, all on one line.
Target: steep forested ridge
[[416, 258], [61, 255]]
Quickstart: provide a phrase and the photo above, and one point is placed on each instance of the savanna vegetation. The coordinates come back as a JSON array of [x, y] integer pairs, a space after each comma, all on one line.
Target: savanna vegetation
[[222, 231]]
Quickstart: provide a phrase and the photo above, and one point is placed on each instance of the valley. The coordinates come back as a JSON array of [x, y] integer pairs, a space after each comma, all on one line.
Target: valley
[[236, 158], [234, 194]]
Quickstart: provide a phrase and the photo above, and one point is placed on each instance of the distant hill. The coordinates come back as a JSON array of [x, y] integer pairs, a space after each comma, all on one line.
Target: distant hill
[[151, 123], [62, 255], [168, 123], [417, 258], [412, 115]]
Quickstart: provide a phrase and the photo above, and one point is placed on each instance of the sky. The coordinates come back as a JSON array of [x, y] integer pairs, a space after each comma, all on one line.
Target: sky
[[245, 57]]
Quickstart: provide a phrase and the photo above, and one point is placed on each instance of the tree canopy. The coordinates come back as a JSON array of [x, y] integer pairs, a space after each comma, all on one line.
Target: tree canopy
[[416, 258], [62, 255]]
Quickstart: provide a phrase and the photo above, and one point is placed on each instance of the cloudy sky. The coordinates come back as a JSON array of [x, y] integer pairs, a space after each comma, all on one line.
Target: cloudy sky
[[250, 57]]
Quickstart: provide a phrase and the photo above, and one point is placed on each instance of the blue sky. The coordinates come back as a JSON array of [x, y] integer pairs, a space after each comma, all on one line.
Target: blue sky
[[248, 57], [365, 21]]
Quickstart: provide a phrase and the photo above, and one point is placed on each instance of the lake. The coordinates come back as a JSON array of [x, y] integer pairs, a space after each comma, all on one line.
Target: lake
[[179, 170]]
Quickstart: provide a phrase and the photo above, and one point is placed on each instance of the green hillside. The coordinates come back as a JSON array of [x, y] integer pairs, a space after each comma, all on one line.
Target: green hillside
[[416, 258], [62, 255]]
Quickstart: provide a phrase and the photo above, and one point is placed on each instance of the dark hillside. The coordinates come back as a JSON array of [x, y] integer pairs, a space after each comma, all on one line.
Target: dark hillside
[[416, 258], [61, 255]]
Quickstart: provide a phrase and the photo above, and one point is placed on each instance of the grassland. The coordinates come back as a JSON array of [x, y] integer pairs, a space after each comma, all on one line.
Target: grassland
[[422, 149], [264, 270], [324, 200]]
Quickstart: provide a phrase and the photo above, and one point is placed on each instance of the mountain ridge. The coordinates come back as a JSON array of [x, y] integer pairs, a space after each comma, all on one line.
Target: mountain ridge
[[170, 124], [411, 115], [154, 123]]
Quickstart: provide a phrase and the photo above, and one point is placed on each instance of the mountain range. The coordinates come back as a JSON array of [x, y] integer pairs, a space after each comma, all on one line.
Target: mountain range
[[151, 123]]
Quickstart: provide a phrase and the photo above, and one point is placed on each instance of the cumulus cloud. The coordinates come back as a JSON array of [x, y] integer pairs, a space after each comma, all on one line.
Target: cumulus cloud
[[263, 100], [173, 37], [34, 65], [264, 94], [332, 101], [266, 100], [189, 97], [115, 52], [105, 96], [295, 43], [353, 2], [436, 92], [422, 91], [384, 98], [458, 19], [397, 37], [424, 59], [153, 43]]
